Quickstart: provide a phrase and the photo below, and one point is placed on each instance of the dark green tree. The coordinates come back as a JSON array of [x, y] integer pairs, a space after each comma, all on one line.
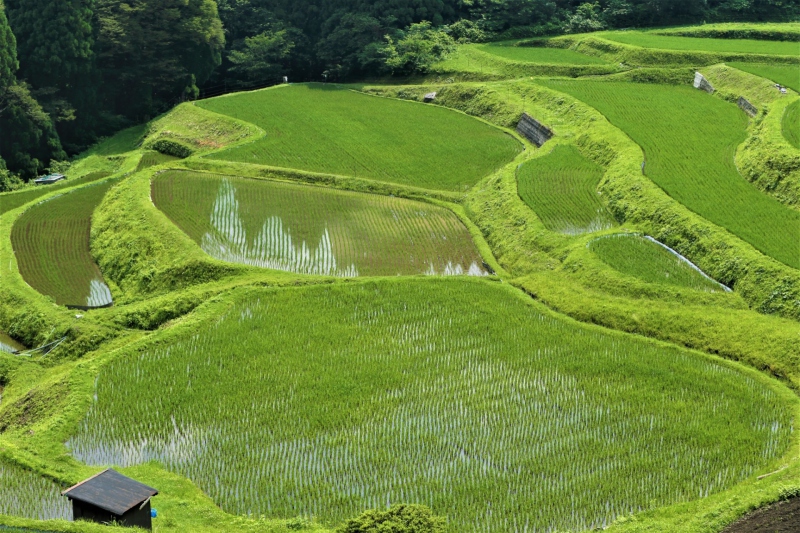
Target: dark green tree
[[416, 49], [8, 52], [262, 57]]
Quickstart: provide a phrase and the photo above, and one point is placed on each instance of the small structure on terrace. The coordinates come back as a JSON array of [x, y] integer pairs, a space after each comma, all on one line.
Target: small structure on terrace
[[110, 497], [50, 178]]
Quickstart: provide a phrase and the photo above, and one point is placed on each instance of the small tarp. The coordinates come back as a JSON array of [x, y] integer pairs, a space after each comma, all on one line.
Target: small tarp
[[47, 180], [111, 491], [430, 97]]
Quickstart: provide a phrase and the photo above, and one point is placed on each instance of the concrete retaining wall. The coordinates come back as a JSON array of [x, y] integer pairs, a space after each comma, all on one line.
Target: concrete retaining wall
[[533, 130]]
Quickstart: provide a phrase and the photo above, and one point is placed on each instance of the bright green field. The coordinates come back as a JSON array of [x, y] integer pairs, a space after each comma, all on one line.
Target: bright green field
[[314, 230], [463, 395], [561, 188], [51, 243], [538, 54], [786, 75], [668, 42], [324, 129], [25, 494], [649, 261], [790, 124], [689, 139], [151, 159], [7, 344], [13, 200]]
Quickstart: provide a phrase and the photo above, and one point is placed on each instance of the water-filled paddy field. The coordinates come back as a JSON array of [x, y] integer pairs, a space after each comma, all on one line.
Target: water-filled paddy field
[[327, 129], [689, 139], [314, 230], [51, 244], [460, 394], [649, 261], [9, 345], [13, 200], [561, 188], [24, 493], [539, 54]]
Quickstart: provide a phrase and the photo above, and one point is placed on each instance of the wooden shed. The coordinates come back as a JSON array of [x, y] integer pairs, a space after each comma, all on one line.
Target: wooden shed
[[111, 497]]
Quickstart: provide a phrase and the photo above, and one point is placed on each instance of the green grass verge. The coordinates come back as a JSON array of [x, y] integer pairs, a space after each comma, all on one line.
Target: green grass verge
[[784, 31], [515, 51], [13, 200], [689, 140], [786, 75], [51, 242], [323, 128], [673, 42], [790, 124], [314, 230], [519, 411], [561, 188], [649, 261]]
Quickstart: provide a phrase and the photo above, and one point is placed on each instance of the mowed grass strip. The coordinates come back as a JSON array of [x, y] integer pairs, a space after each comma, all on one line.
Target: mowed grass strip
[[786, 75], [640, 257], [13, 200], [703, 44], [51, 244], [561, 188], [689, 139], [790, 124], [538, 54], [456, 393], [326, 129], [315, 230]]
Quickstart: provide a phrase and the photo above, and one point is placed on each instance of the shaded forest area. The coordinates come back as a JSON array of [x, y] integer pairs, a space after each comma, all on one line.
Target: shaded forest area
[[74, 71]]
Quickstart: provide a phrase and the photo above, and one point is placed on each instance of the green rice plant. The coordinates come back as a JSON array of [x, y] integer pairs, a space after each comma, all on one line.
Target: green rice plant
[[538, 54], [323, 128], [314, 230], [670, 42], [689, 139], [651, 261], [7, 344], [782, 31], [561, 188], [786, 75], [463, 395], [13, 200], [23, 493], [151, 159], [51, 244], [790, 124]]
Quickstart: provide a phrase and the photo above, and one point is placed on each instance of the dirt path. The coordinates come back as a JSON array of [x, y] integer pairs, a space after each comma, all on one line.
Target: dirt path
[[781, 517]]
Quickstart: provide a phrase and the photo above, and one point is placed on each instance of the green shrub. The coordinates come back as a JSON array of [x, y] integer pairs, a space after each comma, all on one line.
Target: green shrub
[[172, 148], [399, 518]]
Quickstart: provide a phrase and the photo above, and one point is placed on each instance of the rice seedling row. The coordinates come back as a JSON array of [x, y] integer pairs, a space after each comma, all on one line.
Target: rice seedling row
[[786, 75], [25, 494], [151, 159], [51, 244], [650, 261], [790, 124], [13, 200], [689, 139], [561, 188], [458, 394], [314, 230], [734, 46], [538, 54], [326, 129]]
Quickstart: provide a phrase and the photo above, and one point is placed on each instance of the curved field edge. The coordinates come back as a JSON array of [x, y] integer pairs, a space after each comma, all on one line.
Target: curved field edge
[[766, 284], [213, 312]]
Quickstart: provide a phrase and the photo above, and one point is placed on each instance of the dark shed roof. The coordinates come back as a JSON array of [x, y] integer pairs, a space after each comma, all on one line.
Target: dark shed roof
[[111, 491]]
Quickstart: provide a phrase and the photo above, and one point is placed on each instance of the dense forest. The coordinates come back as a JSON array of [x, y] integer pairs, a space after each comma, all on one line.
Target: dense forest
[[73, 71]]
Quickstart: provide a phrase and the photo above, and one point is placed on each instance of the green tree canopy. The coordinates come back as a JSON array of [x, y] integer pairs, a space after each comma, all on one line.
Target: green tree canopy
[[8, 52]]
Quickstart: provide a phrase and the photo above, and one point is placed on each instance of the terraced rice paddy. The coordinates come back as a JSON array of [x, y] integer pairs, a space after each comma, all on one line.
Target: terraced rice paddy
[[23, 493], [321, 128], [786, 75], [735, 46], [13, 200], [539, 54], [314, 230], [460, 394], [9, 345], [51, 244], [790, 124], [650, 261], [561, 188], [151, 159], [689, 139]]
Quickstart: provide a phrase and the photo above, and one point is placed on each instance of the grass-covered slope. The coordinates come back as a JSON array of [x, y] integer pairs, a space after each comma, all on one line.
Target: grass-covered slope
[[647, 260], [673, 42], [561, 188], [538, 54], [689, 140], [790, 124], [328, 129], [51, 243], [315, 230], [461, 395], [786, 75]]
